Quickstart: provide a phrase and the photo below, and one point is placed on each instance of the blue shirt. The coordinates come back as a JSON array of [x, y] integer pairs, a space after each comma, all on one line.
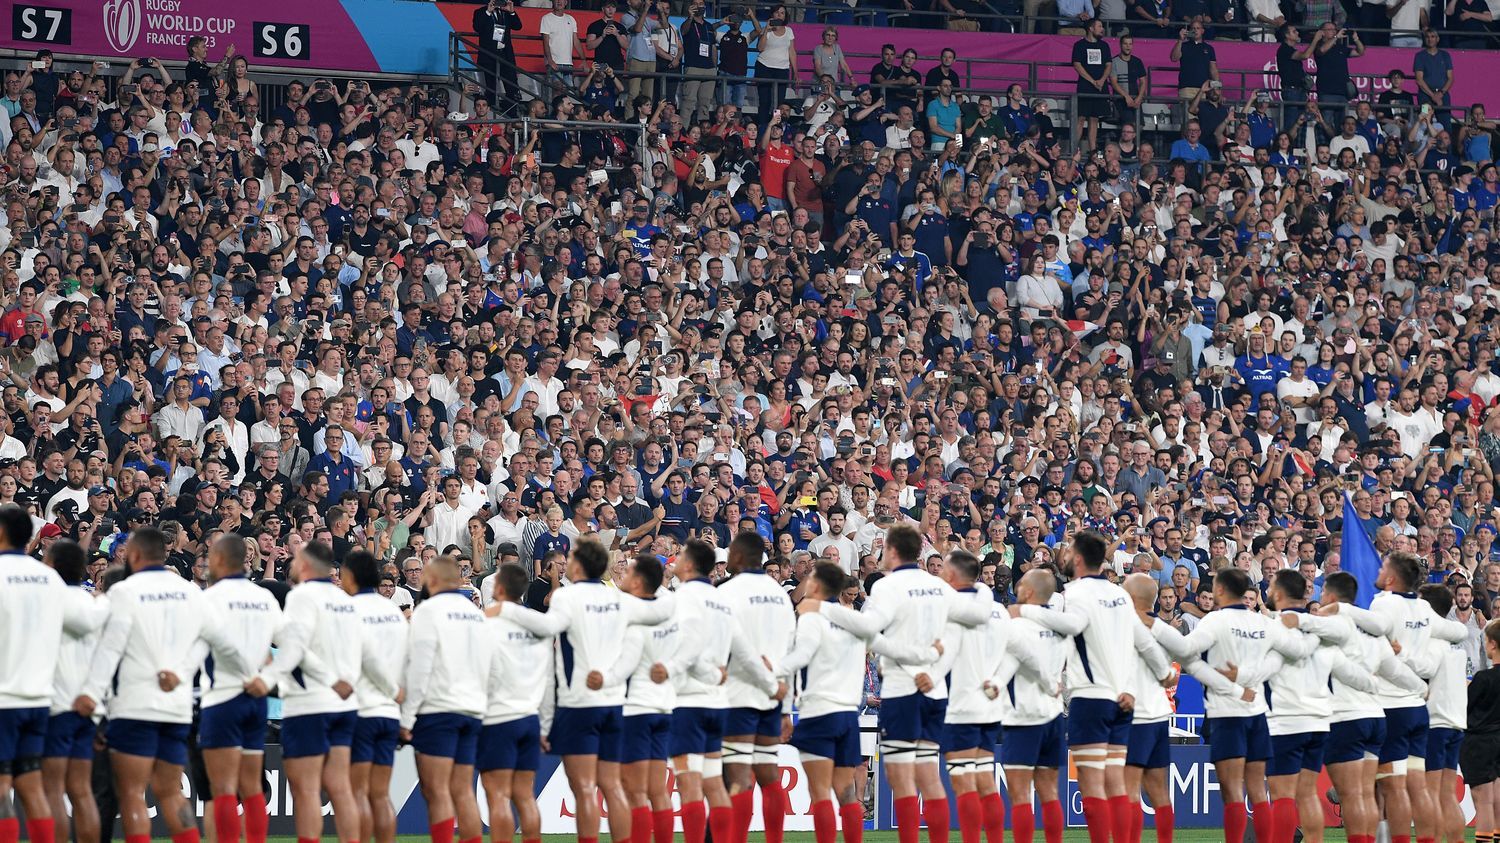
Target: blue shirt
[[341, 476], [1261, 375], [1188, 151]]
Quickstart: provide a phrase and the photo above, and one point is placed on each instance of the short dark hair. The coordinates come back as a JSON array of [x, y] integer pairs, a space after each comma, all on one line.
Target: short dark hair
[[1293, 584], [150, 543], [1341, 584], [15, 525], [320, 554], [650, 570], [831, 577], [513, 580], [1236, 583], [1405, 566], [904, 541], [702, 556], [966, 563], [1438, 597], [1089, 546], [361, 567], [69, 561], [232, 546], [592, 557]]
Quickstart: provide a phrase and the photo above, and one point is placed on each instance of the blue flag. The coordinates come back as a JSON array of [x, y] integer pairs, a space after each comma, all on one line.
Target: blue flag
[[1357, 555]]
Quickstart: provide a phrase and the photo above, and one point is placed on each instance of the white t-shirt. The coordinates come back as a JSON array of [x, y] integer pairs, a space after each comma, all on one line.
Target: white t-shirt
[[560, 32]]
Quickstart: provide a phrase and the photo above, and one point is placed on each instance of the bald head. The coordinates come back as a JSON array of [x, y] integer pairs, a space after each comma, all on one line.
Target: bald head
[[1142, 588], [1036, 587], [441, 574]]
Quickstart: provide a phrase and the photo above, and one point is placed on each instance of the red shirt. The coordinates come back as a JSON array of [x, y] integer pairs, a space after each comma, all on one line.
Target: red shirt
[[807, 183], [773, 164]]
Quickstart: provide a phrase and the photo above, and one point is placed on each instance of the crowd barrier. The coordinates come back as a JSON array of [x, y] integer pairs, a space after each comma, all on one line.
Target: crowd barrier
[[1194, 787]]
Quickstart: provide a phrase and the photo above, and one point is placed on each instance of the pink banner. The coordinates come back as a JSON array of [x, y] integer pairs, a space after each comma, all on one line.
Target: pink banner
[[992, 62]]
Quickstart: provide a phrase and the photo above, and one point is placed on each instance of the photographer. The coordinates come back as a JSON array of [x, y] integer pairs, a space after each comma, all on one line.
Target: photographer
[[496, 23]]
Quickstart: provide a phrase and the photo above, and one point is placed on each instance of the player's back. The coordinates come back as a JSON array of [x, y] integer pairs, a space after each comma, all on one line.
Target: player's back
[[765, 615], [1103, 661], [1447, 690], [1348, 703], [916, 606], [383, 653], [1240, 637], [156, 620], [449, 647], [832, 679], [519, 667], [646, 646], [978, 651], [1033, 697], [1411, 627], [328, 626], [31, 613], [249, 618], [1298, 695], [592, 642], [77, 651], [710, 621]]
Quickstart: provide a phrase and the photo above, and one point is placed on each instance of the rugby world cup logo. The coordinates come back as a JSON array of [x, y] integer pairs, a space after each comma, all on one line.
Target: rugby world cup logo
[[122, 23]]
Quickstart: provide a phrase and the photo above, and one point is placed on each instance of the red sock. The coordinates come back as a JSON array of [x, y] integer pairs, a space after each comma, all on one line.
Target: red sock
[[1426, 840], [299, 839], [1137, 820], [1166, 822], [970, 816], [1284, 813], [1122, 817], [721, 823], [10, 830], [226, 819], [640, 824], [773, 807], [257, 821], [1022, 823], [1265, 821], [1098, 818], [694, 821], [825, 822], [663, 824], [1234, 822], [992, 809], [588, 840], [852, 817], [1400, 838], [935, 812], [188, 836], [908, 819], [479, 839], [442, 832], [1052, 821], [41, 831], [743, 804], [146, 838]]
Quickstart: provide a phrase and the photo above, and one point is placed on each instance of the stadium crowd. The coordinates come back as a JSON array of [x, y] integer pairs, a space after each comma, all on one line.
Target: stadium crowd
[[366, 320]]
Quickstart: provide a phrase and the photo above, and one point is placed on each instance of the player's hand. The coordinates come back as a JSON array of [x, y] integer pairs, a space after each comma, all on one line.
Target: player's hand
[[1247, 695], [1014, 609], [1328, 609], [938, 645], [1289, 620], [84, 705], [809, 607], [990, 691], [786, 728], [1230, 671], [545, 744], [723, 675], [167, 680], [403, 737], [492, 610], [1396, 647], [924, 682], [257, 687], [595, 680], [1126, 702], [781, 692], [658, 673], [343, 689]]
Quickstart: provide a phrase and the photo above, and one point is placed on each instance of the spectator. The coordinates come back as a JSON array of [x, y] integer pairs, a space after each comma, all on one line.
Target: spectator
[[1433, 69], [1197, 63], [1091, 60], [559, 44], [1334, 47]]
